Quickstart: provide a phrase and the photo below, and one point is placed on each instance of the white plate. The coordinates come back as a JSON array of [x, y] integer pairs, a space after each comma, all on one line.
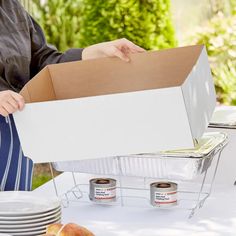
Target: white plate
[[29, 221], [38, 216], [25, 204], [31, 225], [27, 230], [35, 233]]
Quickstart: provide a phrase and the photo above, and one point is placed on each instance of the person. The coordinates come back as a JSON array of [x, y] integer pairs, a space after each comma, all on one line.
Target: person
[[23, 53]]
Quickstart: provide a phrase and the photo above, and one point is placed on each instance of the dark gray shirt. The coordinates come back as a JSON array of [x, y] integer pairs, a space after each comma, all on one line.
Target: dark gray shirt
[[23, 48]]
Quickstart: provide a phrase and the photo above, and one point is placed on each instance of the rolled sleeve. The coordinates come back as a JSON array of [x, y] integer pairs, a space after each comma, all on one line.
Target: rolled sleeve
[[73, 54]]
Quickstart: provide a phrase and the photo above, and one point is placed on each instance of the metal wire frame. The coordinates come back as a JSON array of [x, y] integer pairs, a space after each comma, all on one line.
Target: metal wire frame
[[189, 200]]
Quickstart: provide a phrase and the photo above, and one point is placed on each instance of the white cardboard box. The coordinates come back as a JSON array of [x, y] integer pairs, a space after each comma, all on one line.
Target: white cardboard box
[[161, 100]]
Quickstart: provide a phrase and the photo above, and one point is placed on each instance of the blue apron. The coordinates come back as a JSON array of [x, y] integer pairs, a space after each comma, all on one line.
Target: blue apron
[[15, 168]]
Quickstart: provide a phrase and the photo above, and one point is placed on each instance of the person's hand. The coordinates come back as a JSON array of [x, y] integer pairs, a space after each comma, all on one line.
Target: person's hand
[[118, 48], [10, 102]]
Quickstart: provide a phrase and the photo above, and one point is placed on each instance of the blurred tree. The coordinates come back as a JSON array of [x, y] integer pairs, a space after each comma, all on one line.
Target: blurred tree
[[233, 7], [226, 7], [60, 20], [217, 6], [145, 22], [219, 36]]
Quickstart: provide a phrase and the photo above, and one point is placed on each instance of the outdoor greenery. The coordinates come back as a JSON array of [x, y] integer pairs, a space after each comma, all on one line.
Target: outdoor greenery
[[79, 23], [219, 36], [39, 180], [233, 6], [60, 20], [145, 22]]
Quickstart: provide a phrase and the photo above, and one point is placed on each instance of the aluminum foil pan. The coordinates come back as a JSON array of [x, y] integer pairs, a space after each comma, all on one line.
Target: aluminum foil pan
[[177, 164]]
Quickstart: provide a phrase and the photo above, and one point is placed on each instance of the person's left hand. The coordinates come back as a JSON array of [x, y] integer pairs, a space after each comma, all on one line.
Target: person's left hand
[[118, 48]]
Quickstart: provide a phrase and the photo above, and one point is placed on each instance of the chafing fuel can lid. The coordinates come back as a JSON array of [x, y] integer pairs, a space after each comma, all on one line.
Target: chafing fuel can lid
[[164, 185], [224, 117], [208, 143], [102, 181]]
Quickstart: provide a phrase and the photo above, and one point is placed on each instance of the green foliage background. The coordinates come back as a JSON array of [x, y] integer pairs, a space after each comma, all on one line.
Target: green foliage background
[[233, 6], [219, 36], [79, 23], [60, 20], [145, 22]]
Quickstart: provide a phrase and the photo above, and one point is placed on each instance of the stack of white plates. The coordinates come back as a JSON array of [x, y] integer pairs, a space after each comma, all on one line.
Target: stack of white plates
[[23, 213]]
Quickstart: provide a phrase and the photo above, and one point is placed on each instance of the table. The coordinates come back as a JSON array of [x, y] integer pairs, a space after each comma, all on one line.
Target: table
[[216, 218]]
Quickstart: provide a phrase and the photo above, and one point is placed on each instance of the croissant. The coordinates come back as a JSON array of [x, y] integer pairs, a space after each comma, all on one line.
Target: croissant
[[67, 230]]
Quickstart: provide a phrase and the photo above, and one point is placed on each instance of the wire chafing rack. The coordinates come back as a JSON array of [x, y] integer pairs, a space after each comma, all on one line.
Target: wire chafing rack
[[135, 173]]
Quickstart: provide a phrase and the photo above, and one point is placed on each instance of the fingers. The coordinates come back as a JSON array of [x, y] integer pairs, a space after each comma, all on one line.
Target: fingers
[[19, 99], [13, 102], [129, 45], [120, 48], [119, 53], [123, 47], [134, 47], [10, 102], [8, 107]]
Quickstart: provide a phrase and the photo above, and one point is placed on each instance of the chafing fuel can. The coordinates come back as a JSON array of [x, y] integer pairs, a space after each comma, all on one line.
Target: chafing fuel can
[[163, 194], [102, 190]]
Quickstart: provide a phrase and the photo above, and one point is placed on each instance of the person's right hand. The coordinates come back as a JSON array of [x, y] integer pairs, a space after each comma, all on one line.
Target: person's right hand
[[10, 102]]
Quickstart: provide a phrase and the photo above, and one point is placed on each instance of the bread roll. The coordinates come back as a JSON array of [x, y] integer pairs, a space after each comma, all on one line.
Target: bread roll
[[86, 231], [67, 230], [72, 230]]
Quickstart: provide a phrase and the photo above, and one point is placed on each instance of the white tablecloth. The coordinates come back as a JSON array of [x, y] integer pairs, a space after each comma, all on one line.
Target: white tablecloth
[[216, 218]]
